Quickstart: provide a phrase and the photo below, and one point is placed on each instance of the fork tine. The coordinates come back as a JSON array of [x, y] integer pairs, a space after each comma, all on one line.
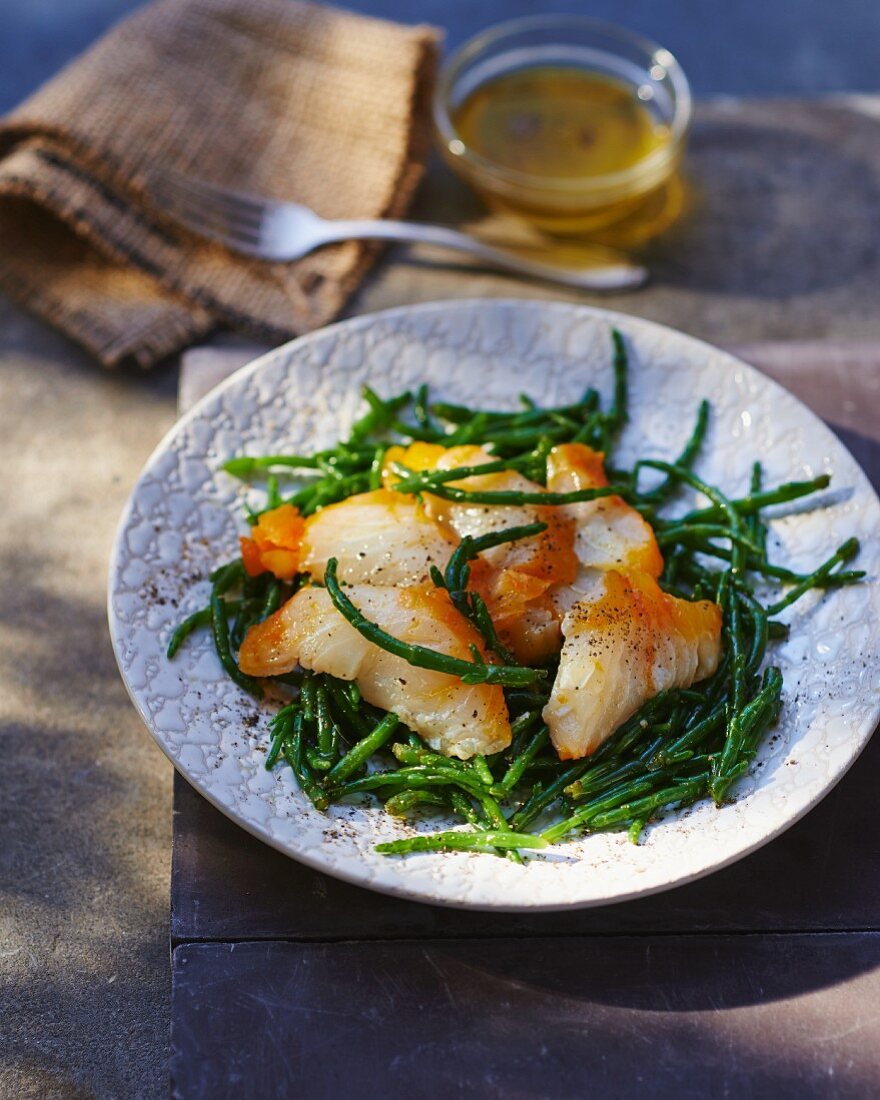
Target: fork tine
[[205, 221], [248, 247], [178, 191], [225, 198], [204, 212]]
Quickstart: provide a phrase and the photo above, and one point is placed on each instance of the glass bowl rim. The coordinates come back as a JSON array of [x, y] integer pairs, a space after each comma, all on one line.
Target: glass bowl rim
[[475, 45]]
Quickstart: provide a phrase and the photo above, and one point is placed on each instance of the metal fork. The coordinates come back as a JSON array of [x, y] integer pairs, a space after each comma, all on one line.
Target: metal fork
[[283, 231]]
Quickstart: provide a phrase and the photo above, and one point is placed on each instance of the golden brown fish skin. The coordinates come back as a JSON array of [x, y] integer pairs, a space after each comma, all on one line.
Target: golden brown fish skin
[[625, 642], [378, 537], [610, 534], [453, 718]]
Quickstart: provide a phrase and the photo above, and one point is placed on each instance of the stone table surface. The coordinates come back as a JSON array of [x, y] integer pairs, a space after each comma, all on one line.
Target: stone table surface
[[783, 243]]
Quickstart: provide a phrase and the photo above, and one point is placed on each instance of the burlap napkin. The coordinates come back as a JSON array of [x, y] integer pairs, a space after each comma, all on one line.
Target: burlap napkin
[[278, 97]]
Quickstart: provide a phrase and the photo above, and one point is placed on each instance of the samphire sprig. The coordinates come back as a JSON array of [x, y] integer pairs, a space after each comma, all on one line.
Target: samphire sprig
[[475, 671], [680, 748]]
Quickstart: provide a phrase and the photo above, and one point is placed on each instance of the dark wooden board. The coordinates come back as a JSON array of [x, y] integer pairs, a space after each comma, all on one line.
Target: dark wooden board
[[696, 1016]]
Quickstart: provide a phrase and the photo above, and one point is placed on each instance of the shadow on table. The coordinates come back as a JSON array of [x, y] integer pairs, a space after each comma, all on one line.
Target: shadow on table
[[514, 1018], [863, 448], [677, 973], [83, 859], [63, 791], [760, 219]]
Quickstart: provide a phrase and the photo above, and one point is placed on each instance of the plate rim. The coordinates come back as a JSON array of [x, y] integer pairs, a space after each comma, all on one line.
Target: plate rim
[[399, 889]]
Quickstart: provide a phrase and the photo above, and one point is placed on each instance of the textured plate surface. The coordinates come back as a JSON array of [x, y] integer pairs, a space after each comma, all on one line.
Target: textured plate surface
[[184, 517]]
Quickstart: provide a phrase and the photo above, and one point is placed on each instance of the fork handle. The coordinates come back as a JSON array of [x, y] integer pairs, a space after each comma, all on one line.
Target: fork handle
[[614, 271]]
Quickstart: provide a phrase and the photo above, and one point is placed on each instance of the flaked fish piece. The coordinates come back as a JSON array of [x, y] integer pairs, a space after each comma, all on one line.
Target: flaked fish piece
[[453, 718], [625, 642], [609, 533], [381, 538], [378, 537], [515, 578], [547, 554]]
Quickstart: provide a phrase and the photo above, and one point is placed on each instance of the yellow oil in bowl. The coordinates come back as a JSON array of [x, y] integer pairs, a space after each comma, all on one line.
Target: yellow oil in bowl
[[561, 123], [576, 125]]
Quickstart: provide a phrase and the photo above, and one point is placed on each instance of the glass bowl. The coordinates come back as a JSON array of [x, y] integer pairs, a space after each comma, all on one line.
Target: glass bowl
[[579, 203]]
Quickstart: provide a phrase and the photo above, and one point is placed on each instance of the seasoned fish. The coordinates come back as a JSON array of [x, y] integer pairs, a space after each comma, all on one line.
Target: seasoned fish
[[610, 534], [515, 578], [625, 641], [453, 718], [379, 537]]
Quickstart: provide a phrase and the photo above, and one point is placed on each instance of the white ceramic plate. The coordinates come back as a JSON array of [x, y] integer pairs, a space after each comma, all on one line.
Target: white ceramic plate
[[184, 517]]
